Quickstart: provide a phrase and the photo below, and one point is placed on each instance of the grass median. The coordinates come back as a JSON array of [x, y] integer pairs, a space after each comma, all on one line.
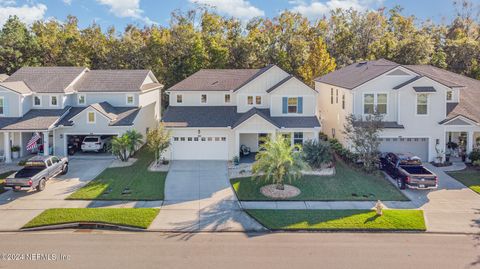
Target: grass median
[[469, 177], [335, 220], [130, 217]]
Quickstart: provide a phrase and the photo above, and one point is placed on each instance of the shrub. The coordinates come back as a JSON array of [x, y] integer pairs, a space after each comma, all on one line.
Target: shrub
[[476, 163], [317, 153], [323, 137], [474, 155]]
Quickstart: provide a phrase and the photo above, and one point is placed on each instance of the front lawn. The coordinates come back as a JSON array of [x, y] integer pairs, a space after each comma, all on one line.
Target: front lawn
[[347, 185], [131, 217], [126, 183], [352, 219], [469, 177], [2, 179]]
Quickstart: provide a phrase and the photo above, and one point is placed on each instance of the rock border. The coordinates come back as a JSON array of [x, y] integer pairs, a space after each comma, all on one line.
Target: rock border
[[118, 164], [271, 191]]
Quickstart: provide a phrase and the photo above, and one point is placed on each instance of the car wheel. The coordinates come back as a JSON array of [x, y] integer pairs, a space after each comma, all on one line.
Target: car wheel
[[41, 185], [65, 169], [400, 183]]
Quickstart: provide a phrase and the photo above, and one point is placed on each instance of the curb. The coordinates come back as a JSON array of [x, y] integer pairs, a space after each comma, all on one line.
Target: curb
[[80, 225]]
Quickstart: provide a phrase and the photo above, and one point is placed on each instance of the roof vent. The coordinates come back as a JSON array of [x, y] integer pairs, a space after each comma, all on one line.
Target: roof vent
[[362, 62], [215, 82]]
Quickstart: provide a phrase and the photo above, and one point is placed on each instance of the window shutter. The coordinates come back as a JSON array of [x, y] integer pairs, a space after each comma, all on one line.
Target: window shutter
[[284, 105], [300, 105]]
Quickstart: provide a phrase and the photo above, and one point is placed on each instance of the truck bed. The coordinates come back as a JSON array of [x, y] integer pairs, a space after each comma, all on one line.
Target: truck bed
[[416, 170], [29, 172]]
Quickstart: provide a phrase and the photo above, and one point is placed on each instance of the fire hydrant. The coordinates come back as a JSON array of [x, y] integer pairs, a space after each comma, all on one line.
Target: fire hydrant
[[379, 208]]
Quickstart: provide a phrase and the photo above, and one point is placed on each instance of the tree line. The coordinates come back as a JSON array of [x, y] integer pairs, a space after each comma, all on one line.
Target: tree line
[[201, 38]]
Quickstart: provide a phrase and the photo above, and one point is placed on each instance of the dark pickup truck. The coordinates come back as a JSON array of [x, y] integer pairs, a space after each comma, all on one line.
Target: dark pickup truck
[[408, 171], [36, 172]]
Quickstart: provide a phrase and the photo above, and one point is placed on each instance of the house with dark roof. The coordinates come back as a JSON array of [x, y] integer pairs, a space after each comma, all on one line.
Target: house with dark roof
[[65, 104], [425, 109], [213, 113]]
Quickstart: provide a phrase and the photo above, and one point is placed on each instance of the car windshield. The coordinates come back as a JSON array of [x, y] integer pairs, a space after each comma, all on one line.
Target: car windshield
[[34, 164], [90, 139]]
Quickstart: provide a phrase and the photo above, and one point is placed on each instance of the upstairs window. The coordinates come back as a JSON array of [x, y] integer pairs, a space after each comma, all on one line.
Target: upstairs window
[[422, 104], [2, 105], [91, 117], [81, 99], [53, 100], [382, 103], [292, 105], [369, 104], [258, 100], [331, 96], [343, 101], [336, 96], [375, 103], [179, 99], [130, 99], [250, 100], [203, 99], [37, 101], [227, 98], [449, 95]]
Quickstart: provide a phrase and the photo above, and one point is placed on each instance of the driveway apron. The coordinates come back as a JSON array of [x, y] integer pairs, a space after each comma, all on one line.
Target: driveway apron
[[198, 197]]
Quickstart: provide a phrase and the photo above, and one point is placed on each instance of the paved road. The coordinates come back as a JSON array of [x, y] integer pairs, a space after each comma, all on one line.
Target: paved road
[[239, 250], [198, 197], [17, 208]]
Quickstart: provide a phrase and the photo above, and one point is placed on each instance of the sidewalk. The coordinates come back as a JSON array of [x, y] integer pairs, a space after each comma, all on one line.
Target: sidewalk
[[323, 205]]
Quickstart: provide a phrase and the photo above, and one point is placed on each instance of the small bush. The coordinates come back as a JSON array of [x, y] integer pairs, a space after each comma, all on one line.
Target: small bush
[[476, 163], [317, 153], [474, 155]]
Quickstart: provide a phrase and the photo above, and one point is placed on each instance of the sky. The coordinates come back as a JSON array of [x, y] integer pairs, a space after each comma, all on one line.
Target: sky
[[120, 13]]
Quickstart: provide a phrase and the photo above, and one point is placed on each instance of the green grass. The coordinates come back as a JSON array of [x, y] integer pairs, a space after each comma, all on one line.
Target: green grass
[[110, 184], [469, 177], [391, 220], [132, 217], [2, 179], [347, 185]]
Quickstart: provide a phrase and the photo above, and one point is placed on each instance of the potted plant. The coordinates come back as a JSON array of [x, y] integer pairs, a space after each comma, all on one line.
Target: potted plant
[[236, 160], [15, 152]]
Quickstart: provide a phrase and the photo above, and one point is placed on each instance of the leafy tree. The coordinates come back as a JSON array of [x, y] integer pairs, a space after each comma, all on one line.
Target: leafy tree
[[158, 140], [278, 161], [362, 135], [318, 62]]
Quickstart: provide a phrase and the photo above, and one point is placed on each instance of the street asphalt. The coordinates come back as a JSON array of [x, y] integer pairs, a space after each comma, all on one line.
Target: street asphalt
[[97, 249]]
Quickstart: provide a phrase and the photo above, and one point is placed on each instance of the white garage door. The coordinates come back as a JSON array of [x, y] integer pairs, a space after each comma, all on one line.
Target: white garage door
[[200, 148], [416, 146]]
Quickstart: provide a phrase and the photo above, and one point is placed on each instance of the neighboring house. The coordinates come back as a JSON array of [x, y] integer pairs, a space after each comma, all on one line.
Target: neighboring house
[[60, 102], [424, 107], [213, 112]]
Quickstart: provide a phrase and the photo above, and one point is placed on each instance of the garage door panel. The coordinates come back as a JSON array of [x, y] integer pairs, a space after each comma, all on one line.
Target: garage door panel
[[416, 146], [200, 148]]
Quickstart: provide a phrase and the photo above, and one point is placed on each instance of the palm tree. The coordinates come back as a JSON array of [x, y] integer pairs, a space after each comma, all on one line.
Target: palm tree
[[278, 161], [120, 146], [135, 141]]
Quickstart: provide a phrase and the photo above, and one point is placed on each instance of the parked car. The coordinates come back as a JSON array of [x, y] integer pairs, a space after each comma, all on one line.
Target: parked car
[[408, 171], [36, 172], [95, 143]]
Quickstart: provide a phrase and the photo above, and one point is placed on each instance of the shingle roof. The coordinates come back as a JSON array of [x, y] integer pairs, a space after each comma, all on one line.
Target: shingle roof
[[401, 85], [17, 86], [354, 75], [3, 77], [114, 81], [35, 119], [280, 83], [118, 116], [227, 116], [47, 79], [218, 79]]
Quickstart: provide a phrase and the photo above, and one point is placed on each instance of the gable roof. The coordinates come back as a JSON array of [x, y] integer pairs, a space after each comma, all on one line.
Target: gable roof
[[401, 85], [3, 77], [47, 79], [17, 86], [114, 81], [118, 116], [252, 112], [218, 79], [354, 75], [280, 83]]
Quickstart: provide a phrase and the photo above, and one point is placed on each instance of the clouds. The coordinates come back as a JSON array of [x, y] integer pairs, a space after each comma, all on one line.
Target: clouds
[[126, 9], [315, 9], [27, 13], [241, 9]]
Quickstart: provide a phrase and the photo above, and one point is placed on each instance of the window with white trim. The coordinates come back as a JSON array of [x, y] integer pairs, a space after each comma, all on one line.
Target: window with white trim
[[227, 98], [331, 96], [422, 104], [179, 98], [130, 99], [203, 99], [254, 98], [91, 117], [82, 99], [53, 100], [375, 103], [292, 104], [449, 95], [258, 100], [336, 97], [343, 101], [2, 106], [37, 101], [297, 138], [249, 100]]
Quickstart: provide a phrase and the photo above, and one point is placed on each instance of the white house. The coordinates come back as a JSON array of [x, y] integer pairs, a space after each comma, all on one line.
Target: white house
[[213, 112], [424, 107], [61, 102]]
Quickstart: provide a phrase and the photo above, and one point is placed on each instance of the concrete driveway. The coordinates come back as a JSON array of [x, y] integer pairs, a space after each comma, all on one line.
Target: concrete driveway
[[451, 208], [198, 197], [17, 208]]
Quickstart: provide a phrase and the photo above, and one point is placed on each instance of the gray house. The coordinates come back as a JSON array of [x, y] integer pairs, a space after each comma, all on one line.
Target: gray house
[[64, 102]]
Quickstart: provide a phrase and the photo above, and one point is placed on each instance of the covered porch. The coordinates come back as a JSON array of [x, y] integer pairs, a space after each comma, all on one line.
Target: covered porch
[[13, 144], [462, 135]]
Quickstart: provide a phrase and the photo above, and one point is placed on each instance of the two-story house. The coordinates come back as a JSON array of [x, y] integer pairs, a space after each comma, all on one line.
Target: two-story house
[[61, 102], [213, 112], [423, 107]]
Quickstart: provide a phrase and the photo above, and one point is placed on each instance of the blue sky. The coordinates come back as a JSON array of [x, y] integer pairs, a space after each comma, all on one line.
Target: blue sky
[[119, 13]]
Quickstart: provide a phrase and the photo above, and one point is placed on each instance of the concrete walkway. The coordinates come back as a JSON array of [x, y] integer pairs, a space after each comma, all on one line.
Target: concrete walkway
[[198, 197], [325, 205]]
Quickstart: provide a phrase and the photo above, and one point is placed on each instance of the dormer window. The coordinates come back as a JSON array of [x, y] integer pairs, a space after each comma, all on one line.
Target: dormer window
[[37, 101], [53, 100], [203, 99], [449, 95], [130, 99], [81, 99]]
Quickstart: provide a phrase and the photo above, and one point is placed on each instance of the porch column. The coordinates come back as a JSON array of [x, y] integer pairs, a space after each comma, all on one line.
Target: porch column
[[6, 146], [46, 144], [315, 135], [237, 145], [469, 142]]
